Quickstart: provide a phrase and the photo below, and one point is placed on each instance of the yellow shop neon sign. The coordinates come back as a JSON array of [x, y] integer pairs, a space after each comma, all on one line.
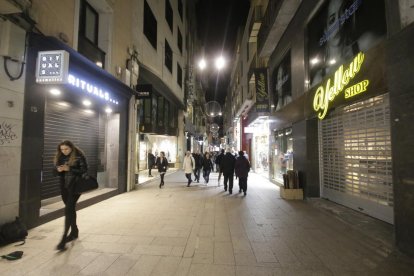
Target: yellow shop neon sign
[[327, 93]]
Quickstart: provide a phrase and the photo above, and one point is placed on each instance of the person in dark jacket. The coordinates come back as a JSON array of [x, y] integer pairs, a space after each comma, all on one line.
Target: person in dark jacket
[[151, 162], [198, 160], [162, 165], [207, 166], [227, 167], [218, 164], [69, 164], [242, 168]]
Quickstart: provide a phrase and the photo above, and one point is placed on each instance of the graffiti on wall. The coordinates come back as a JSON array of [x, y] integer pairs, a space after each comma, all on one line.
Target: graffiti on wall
[[7, 134]]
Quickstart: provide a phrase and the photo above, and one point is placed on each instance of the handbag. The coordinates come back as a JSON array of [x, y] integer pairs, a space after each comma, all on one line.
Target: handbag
[[86, 183]]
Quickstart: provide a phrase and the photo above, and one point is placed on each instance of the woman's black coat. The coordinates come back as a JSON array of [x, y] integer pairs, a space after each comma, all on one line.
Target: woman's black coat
[[162, 165], [68, 179], [207, 164]]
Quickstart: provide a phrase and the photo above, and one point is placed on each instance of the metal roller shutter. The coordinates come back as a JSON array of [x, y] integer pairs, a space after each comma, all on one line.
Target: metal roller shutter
[[356, 165], [64, 121]]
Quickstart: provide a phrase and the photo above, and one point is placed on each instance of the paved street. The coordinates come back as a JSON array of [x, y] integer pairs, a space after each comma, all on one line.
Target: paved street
[[201, 230]]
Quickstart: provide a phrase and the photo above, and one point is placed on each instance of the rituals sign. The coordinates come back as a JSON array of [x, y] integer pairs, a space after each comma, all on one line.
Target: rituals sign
[[52, 67]]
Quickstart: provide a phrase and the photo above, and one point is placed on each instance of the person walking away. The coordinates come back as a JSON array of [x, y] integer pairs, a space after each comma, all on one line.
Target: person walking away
[[227, 166], [69, 164], [207, 167], [198, 164], [162, 166], [242, 168], [218, 162], [188, 166], [151, 162]]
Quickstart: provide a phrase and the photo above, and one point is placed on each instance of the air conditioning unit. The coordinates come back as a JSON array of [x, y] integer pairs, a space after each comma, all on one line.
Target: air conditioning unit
[[12, 40]]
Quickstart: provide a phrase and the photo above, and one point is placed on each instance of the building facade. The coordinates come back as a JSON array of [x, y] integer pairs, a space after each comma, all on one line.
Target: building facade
[[340, 103], [108, 51]]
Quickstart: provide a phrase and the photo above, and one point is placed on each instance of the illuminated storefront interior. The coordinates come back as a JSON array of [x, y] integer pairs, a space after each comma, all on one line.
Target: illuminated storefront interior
[[282, 151]]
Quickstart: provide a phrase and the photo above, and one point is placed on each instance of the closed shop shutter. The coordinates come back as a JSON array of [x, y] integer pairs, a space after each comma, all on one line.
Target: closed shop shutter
[[64, 121], [356, 165]]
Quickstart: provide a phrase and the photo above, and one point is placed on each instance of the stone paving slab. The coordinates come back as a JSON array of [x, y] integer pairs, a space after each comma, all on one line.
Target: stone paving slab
[[201, 230]]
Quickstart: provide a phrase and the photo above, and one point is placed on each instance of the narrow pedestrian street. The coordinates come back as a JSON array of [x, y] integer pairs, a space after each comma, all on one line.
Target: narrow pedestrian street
[[202, 230]]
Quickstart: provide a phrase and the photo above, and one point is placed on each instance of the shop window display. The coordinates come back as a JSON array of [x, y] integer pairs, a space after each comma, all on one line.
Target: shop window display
[[282, 153]]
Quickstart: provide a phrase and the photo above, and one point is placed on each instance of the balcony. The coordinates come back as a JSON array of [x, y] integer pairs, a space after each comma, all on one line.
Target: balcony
[[276, 18], [255, 23]]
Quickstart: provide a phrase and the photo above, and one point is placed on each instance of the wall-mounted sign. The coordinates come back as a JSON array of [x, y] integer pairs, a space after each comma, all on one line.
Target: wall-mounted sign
[[144, 91], [262, 95], [327, 92], [90, 88], [360, 78], [52, 67]]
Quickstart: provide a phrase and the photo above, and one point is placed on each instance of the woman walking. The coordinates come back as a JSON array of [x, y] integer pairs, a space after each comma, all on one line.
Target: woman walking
[[70, 165], [162, 165], [207, 166]]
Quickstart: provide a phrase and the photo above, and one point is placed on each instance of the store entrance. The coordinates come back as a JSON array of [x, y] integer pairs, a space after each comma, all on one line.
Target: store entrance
[[95, 133]]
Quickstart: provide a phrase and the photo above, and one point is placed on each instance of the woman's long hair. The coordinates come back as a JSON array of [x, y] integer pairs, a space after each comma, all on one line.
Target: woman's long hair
[[72, 157]]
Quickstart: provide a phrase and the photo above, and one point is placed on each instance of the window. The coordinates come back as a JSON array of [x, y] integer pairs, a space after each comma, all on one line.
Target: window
[[173, 116], [169, 14], [88, 44], [166, 112], [150, 25], [180, 8], [168, 56], [179, 40], [160, 111], [89, 23], [147, 111], [179, 75]]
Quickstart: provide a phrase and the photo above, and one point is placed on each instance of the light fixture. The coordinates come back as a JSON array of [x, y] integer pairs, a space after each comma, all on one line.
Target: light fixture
[[332, 61], [55, 91], [220, 113], [220, 62], [99, 64], [89, 111], [108, 110], [314, 61], [65, 104], [212, 113], [202, 64], [86, 102]]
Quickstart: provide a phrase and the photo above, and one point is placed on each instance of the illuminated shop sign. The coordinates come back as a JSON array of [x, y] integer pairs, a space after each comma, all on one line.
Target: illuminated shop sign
[[262, 95], [144, 91], [327, 92], [90, 89], [52, 67]]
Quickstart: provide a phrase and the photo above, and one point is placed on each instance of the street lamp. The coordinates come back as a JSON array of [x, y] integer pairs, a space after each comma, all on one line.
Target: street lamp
[[219, 63], [202, 64]]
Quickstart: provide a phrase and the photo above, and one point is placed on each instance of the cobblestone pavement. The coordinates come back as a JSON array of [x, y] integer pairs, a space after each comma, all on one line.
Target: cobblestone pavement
[[202, 230]]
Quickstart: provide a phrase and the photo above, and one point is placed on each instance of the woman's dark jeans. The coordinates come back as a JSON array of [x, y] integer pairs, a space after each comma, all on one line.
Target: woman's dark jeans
[[206, 175], [70, 199]]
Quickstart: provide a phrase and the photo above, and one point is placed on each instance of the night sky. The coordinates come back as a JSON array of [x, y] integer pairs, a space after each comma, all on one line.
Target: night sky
[[218, 22]]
